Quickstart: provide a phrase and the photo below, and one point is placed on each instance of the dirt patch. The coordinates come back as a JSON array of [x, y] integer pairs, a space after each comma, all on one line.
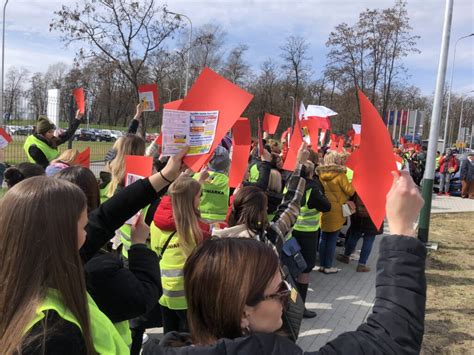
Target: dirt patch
[[450, 275]]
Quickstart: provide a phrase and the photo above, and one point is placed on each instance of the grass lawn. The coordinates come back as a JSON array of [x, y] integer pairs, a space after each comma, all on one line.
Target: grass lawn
[[449, 322], [15, 154]]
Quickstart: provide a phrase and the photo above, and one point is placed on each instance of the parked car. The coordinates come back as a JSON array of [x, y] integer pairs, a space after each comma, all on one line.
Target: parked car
[[114, 135], [84, 134], [104, 135], [24, 131]]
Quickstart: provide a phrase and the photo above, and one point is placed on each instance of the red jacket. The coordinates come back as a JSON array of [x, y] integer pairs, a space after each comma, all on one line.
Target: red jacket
[[164, 219], [452, 163]]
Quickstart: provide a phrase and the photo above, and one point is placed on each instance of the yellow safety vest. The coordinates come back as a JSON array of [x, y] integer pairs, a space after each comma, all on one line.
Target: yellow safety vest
[[254, 173], [309, 218], [105, 337], [103, 193], [215, 196], [171, 267], [50, 153], [350, 174]]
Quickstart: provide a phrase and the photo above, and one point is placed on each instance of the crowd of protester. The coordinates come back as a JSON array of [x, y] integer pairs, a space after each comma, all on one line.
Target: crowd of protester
[[88, 266]]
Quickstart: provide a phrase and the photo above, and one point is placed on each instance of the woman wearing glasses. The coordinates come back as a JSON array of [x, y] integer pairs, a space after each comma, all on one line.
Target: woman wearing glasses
[[236, 295]]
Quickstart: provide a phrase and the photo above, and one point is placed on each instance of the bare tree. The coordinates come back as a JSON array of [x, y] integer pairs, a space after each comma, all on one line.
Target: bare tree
[[236, 69], [295, 56], [14, 84], [125, 33], [38, 93], [207, 49]]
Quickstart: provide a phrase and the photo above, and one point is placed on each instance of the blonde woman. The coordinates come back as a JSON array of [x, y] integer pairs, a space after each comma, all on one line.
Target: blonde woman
[[338, 189], [176, 231], [65, 160]]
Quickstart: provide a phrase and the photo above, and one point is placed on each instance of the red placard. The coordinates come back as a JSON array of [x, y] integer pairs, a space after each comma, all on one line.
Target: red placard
[[137, 167], [260, 139], [295, 144], [270, 123], [80, 100], [84, 158], [313, 129], [356, 141], [242, 141], [213, 92], [371, 164], [340, 144], [334, 142], [173, 105]]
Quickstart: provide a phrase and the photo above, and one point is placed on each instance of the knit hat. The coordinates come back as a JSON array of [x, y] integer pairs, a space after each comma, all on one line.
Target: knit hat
[[44, 125], [220, 160]]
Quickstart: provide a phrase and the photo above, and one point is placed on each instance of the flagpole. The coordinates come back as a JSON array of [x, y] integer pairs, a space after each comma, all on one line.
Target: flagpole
[[394, 132], [414, 127], [428, 177], [407, 122], [401, 125]]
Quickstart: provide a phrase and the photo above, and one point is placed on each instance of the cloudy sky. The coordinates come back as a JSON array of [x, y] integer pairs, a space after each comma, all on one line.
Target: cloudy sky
[[263, 26]]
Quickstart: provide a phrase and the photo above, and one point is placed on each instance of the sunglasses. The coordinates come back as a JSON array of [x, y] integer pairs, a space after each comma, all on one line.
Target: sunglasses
[[282, 295]]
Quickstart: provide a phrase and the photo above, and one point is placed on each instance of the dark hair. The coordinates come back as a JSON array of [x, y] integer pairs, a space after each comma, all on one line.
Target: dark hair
[[250, 208], [85, 179], [211, 270], [22, 171]]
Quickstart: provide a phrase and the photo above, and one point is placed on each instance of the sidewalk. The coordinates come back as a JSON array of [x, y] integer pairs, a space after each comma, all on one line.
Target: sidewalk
[[449, 204]]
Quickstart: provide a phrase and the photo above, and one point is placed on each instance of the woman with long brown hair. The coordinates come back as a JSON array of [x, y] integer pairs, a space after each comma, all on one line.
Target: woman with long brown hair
[[176, 231], [236, 294], [43, 299]]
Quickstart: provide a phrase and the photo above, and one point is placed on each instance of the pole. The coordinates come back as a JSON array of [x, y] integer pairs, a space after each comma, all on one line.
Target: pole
[[292, 111], [3, 62], [394, 132], [414, 127], [428, 177], [449, 92], [407, 124], [401, 125]]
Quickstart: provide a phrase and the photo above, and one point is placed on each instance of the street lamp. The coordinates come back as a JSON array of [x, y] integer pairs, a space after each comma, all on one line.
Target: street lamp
[[460, 117], [189, 49], [449, 92], [170, 91], [3, 62]]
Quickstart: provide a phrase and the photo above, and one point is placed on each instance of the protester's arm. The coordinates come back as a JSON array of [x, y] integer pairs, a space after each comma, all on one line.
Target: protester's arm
[[396, 324], [71, 130], [288, 210], [133, 127], [38, 156], [317, 198], [114, 212]]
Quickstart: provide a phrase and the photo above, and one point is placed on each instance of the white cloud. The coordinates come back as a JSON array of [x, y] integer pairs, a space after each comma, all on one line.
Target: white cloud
[[263, 25]]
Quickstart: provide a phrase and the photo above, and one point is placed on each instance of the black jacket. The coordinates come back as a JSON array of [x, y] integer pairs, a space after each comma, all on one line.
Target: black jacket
[[395, 326], [317, 199], [124, 293], [361, 221]]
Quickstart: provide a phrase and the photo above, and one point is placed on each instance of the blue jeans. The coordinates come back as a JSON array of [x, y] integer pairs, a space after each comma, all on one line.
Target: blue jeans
[[327, 248], [444, 181], [367, 244]]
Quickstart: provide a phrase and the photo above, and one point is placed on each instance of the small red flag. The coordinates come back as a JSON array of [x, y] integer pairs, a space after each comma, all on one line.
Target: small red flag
[[5, 138]]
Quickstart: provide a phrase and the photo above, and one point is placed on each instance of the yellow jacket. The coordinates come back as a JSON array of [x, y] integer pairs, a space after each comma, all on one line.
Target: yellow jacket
[[338, 190]]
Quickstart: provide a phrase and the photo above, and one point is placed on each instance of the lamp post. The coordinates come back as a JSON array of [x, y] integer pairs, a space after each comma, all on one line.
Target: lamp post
[[189, 49], [3, 62], [460, 117], [170, 91], [428, 177], [449, 92]]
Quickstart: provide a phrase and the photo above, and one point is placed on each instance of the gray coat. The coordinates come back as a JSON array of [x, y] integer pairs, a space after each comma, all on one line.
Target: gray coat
[[467, 170]]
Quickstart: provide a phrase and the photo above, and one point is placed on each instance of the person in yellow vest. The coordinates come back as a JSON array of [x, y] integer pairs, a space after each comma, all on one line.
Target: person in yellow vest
[[307, 226], [215, 189], [176, 231], [44, 304], [42, 147]]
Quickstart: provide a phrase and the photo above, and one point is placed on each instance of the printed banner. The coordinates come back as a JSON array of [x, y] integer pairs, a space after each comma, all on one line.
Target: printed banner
[[5, 138], [187, 128]]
